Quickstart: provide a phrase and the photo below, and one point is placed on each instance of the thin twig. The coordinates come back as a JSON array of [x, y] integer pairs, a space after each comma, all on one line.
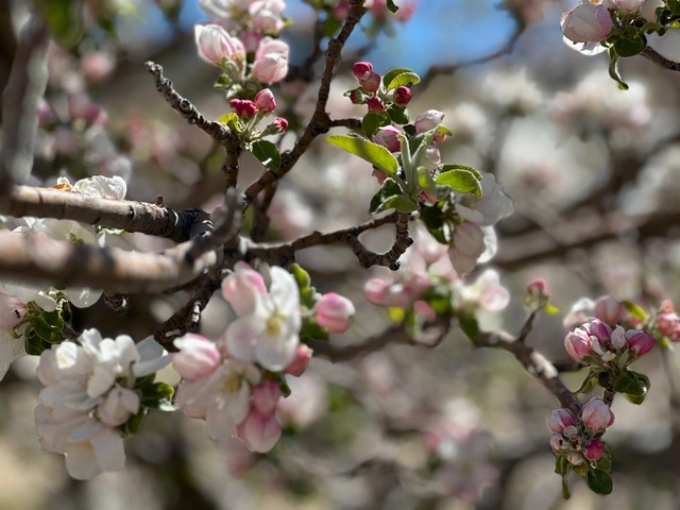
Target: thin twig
[[657, 58], [390, 259]]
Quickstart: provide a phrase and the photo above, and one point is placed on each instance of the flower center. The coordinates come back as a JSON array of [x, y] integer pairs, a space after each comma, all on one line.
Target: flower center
[[232, 384], [274, 324]]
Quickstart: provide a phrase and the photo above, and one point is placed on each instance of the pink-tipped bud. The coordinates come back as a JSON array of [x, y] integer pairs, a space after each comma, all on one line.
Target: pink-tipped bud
[[264, 101], [609, 310], [596, 414], [198, 357], [259, 432], [362, 69], [578, 346], [357, 96], [599, 330], [271, 60], [594, 450], [375, 105], [216, 46], [299, 364], [587, 23], [402, 95], [428, 121], [370, 82], [537, 286], [560, 419], [640, 342], [243, 108], [388, 137], [280, 124], [265, 397], [334, 312]]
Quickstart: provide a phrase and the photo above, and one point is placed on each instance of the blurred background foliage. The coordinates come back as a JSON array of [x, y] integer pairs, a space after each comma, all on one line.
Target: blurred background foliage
[[593, 172]]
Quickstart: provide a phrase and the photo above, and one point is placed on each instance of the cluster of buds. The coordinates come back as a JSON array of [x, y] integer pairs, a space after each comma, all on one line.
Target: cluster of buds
[[579, 440], [372, 93], [596, 343], [250, 113], [668, 322]]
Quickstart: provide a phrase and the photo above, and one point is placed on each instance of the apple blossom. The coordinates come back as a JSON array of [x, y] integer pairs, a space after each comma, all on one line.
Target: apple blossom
[[375, 105], [265, 396], [596, 414], [299, 364], [266, 15], [259, 432], [198, 357], [594, 450], [587, 22], [264, 101], [609, 310], [560, 419], [488, 209], [362, 69], [625, 6], [578, 346], [271, 61], [269, 321], [388, 137], [640, 342], [468, 245], [244, 108], [428, 121], [370, 82], [217, 47], [334, 312]]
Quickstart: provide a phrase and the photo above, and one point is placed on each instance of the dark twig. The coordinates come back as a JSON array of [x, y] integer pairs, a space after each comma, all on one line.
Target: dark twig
[[130, 216], [116, 301], [216, 130], [657, 58], [391, 336], [26, 86], [231, 167], [284, 254], [390, 259], [320, 122], [527, 327], [348, 123], [260, 218]]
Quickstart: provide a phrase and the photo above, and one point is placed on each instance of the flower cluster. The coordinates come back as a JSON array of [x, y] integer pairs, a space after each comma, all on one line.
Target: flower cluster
[[596, 342], [578, 441], [234, 384], [96, 392], [251, 113], [373, 93]]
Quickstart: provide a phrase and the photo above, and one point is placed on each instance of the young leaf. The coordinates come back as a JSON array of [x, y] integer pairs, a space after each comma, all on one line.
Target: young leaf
[[267, 153], [392, 6], [446, 168], [599, 481], [64, 19], [634, 310], [390, 77], [461, 180], [614, 70], [388, 189], [373, 121], [629, 383], [401, 203], [398, 114], [375, 154]]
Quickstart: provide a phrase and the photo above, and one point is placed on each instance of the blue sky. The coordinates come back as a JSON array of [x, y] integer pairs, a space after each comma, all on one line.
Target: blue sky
[[441, 31]]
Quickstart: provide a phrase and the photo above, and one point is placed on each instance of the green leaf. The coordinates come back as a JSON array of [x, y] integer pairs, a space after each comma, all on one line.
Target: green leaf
[[635, 310], [389, 188], [134, 424], [628, 47], [401, 203], [392, 6], [156, 391], [373, 121], [604, 379], [614, 70], [65, 20], [581, 469], [400, 76], [398, 114], [461, 180], [267, 153], [599, 481], [311, 330], [605, 463], [468, 323], [375, 154], [628, 383], [231, 121], [643, 382], [446, 168]]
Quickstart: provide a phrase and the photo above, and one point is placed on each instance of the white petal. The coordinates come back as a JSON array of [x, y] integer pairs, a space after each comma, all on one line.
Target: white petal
[[276, 353], [242, 336], [109, 450], [81, 463], [284, 291]]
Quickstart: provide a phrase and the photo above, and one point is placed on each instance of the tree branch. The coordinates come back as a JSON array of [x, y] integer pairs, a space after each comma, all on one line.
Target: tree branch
[[390, 259], [657, 58], [130, 216]]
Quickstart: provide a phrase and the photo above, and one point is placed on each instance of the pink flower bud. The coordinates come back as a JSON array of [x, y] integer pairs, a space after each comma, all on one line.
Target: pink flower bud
[[640, 342], [538, 285], [12, 310], [599, 330], [428, 121], [258, 432], [362, 69], [217, 47], [559, 419], [334, 312], [370, 82], [587, 23], [388, 137], [379, 175], [243, 108], [402, 95], [357, 97], [375, 105], [594, 450], [271, 61], [280, 124], [265, 397], [299, 364], [578, 346], [609, 310], [264, 101], [596, 414], [198, 357]]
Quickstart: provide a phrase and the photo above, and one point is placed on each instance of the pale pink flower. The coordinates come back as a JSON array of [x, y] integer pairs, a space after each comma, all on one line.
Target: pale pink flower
[[587, 22], [468, 245], [265, 396], [259, 432], [271, 61], [578, 346], [299, 364], [12, 310], [266, 15], [217, 47], [560, 419], [264, 101], [198, 357], [388, 137], [609, 310], [625, 6], [428, 121], [267, 330], [596, 414], [334, 312], [118, 406]]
